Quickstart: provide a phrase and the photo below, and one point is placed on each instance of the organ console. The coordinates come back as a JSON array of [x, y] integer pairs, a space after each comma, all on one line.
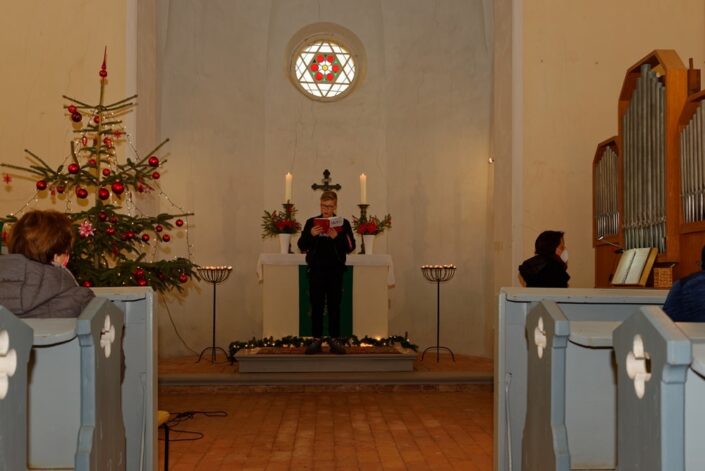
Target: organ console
[[649, 180]]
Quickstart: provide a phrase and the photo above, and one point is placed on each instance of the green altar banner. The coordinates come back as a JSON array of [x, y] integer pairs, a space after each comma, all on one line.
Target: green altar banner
[[346, 326]]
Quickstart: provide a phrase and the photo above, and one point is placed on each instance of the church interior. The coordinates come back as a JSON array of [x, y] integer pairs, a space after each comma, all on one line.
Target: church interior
[[474, 124]]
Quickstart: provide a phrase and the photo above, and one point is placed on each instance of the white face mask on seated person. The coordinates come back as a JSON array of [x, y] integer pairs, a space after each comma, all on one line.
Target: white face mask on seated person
[[564, 255]]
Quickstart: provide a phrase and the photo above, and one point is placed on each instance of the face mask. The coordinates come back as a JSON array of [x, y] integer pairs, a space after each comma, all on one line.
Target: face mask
[[564, 255]]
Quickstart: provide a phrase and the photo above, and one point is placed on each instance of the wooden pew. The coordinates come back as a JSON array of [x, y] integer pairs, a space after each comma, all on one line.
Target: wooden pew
[[75, 414], [511, 376], [571, 391], [661, 377], [15, 346]]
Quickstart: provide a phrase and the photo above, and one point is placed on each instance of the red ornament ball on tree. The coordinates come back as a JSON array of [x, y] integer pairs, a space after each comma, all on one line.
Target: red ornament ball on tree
[[82, 193], [142, 282], [110, 230], [179, 222], [102, 215], [103, 73], [92, 162], [183, 278], [153, 161], [72, 109], [87, 284], [41, 185], [145, 237], [155, 175], [130, 235], [166, 237], [139, 272], [117, 188], [103, 193], [108, 142], [76, 117], [60, 188], [84, 140], [113, 219], [106, 172], [158, 228], [73, 168], [96, 119]]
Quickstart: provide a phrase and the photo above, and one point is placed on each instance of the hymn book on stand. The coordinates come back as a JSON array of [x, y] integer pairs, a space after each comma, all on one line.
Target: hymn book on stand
[[635, 266]]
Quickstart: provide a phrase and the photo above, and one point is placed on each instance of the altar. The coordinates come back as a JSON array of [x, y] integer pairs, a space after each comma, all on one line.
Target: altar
[[280, 275]]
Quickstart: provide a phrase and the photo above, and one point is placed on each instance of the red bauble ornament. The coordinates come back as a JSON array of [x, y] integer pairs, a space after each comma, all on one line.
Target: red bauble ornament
[[113, 219], [158, 228], [72, 109], [102, 216], [179, 222], [183, 278], [108, 142], [139, 272], [60, 188], [142, 282], [155, 175], [84, 140], [73, 168], [110, 230], [130, 235], [87, 283], [153, 161], [41, 185], [140, 188], [106, 172], [76, 117], [117, 134], [103, 193], [161, 276], [82, 193], [103, 73], [145, 237], [96, 119], [166, 237], [117, 188], [92, 162]]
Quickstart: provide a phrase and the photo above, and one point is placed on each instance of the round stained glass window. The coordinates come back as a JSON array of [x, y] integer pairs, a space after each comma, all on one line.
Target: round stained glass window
[[324, 69]]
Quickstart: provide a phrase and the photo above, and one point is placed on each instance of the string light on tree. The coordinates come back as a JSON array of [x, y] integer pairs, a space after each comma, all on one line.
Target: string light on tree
[[111, 248]]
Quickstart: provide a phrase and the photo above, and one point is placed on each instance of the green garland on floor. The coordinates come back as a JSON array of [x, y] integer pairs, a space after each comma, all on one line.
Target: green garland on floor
[[293, 341]]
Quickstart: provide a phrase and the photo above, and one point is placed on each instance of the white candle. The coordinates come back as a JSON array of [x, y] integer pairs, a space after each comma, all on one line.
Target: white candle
[[363, 189], [287, 187]]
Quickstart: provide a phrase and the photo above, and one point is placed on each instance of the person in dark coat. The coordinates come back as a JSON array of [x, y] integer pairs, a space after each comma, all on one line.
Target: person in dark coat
[[686, 300], [548, 268], [34, 281], [326, 251]]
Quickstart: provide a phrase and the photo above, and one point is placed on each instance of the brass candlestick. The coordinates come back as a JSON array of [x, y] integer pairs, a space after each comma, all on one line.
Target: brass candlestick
[[214, 275], [438, 274], [363, 218]]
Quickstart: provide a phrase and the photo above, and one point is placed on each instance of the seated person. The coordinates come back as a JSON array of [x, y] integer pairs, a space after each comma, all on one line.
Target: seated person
[[549, 267], [686, 300], [34, 281]]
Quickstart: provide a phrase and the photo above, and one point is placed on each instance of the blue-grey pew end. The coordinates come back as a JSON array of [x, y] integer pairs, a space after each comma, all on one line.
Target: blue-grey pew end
[[571, 392], [15, 346], [578, 304], [653, 357], [75, 415]]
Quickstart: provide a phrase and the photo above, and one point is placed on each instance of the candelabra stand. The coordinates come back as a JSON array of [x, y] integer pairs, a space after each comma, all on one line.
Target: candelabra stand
[[363, 218], [289, 209], [438, 274], [214, 275]]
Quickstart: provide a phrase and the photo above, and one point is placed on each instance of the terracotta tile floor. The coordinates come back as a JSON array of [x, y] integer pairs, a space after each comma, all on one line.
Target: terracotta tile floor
[[332, 429]]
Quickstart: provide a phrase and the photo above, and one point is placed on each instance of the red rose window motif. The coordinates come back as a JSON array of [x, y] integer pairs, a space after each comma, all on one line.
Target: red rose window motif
[[324, 69]]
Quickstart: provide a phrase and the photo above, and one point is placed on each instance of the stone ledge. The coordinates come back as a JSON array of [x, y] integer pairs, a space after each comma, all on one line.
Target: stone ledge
[[250, 361]]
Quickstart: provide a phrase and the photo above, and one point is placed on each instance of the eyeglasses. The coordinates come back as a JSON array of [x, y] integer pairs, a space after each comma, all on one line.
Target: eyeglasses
[[328, 206]]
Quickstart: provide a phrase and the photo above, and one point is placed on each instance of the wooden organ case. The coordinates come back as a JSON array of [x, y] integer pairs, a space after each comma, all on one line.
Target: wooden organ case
[[649, 180]]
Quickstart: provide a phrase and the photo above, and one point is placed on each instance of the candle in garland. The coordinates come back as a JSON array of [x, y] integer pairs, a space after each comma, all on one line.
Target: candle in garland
[[363, 189], [287, 187]]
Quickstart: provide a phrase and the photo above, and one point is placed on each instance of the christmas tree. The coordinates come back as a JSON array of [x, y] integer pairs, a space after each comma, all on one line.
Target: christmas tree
[[114, 246]]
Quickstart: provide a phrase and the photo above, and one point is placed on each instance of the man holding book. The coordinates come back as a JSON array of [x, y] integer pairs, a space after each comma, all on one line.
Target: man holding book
[[326, 240]]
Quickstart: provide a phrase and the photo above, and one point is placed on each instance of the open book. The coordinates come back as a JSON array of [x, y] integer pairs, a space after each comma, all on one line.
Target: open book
[[635, 266], [336, 222]]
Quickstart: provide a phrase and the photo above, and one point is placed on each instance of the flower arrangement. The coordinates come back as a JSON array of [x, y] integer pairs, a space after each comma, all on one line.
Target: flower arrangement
[[372, 225], [280, 222]]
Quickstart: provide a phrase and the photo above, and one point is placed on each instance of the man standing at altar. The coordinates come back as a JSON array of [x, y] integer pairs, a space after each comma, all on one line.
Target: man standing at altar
[[326, 240]]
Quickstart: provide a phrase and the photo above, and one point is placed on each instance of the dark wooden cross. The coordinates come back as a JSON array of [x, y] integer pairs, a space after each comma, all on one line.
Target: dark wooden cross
[[326, 183]]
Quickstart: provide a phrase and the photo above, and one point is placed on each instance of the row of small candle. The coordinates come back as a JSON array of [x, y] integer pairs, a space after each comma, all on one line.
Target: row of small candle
[[288, 180], [438, 272]]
